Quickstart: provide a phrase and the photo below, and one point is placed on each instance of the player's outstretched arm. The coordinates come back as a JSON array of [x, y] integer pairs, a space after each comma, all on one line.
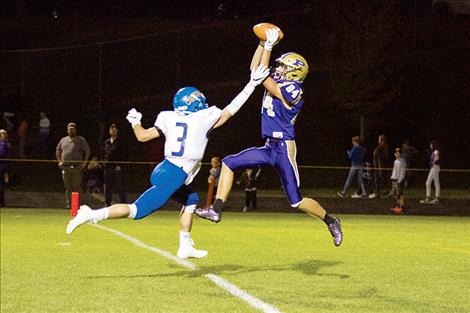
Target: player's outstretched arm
[[258, 75], [256, 59], [134, 117], [272, 36]]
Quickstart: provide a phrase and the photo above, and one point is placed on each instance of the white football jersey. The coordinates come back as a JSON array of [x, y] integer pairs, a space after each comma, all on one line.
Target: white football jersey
[[186, 137]]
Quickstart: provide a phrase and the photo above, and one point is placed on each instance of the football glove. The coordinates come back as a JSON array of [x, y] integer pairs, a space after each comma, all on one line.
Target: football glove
[[134, 117], [272, 36], [258, 75]]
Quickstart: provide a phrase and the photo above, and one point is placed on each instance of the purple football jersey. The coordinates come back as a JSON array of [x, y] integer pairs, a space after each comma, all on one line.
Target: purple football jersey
[[277, 119]]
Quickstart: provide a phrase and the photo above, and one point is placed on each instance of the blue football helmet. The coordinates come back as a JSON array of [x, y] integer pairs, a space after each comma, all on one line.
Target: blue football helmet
[[189, 100]]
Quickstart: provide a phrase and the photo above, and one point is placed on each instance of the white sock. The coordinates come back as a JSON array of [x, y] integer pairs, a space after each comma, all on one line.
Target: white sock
[[101, 214], [185, 238]]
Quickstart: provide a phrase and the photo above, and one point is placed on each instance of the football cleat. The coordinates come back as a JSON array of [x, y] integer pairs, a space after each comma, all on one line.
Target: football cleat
[[84, 215], [188, 251], [336, 232], [209, 214]]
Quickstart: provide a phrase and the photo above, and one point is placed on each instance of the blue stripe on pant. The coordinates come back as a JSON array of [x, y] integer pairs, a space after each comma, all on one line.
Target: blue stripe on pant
[[166, 179], [275, 154]]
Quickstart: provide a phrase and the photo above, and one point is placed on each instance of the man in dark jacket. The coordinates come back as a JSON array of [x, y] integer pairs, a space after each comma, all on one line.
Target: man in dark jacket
[[113, 150]]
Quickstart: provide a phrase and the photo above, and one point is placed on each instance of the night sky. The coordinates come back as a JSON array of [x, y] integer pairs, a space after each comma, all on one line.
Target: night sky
[[401, 65]]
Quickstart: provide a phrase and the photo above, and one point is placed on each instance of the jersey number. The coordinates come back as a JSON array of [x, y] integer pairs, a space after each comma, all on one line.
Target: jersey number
[[268, 105], [293, 91], [181, 139]]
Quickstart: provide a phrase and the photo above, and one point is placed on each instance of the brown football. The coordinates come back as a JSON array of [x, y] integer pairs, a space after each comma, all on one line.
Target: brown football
[[260, 30]]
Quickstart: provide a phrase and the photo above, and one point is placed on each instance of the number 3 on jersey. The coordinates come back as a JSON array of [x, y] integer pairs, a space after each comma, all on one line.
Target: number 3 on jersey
[[181, 139]]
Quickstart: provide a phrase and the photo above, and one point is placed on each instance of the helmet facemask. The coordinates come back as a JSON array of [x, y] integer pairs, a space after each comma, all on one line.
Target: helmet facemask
[[280, 71]]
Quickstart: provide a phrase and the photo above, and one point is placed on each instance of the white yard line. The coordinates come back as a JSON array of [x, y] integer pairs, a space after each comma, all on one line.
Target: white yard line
[[219, 281]]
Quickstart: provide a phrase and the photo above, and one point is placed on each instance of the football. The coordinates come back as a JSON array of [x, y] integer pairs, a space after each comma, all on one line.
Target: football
[[260, 30]]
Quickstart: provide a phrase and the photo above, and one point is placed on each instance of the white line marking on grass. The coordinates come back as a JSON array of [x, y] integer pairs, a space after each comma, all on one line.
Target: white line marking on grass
[[242, 294], [219, 281], [64, 243]]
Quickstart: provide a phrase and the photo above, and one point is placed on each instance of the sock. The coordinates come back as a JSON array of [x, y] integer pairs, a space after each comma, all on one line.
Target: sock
[[101, 214], [185, 237], [328, 219], [218, 205]]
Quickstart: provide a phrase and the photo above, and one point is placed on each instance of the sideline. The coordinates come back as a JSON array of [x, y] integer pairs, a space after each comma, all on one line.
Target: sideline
[[219, 281]]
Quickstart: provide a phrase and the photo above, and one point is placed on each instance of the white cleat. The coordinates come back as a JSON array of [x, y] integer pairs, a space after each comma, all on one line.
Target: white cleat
[[188, 251], [83, 216]]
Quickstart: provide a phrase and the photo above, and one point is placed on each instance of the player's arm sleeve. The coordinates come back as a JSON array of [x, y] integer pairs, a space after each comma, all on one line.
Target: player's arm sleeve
[[234, 106]]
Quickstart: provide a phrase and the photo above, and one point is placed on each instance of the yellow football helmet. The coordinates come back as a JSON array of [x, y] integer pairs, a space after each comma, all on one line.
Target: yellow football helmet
[[291, 66]]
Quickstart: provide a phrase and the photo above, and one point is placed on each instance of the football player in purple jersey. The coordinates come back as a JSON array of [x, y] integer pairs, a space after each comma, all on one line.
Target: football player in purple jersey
[[282, 102]]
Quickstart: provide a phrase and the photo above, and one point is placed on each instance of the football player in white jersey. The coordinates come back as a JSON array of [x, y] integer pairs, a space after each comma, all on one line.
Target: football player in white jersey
[[186, 131]]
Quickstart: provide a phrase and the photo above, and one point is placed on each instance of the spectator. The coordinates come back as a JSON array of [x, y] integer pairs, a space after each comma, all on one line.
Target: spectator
[[398, 179], [7, 122], [114, 150], [367, 177], [213, 180], [380, 160], [5, 148], [22, 137], [356, 155], [95, 176], [408, 153], [435, 165], [44, 132], [72, 153], [248, 181]]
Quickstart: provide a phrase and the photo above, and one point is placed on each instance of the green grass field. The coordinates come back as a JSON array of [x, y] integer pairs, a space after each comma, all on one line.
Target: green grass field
[[386, 264]]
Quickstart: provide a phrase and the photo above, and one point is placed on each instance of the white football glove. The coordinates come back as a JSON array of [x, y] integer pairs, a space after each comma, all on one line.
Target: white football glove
[[134, 117], [258, 75], [272, 36]]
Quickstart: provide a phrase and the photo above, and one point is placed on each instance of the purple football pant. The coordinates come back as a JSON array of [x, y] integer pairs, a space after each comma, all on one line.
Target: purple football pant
[[280, 154]]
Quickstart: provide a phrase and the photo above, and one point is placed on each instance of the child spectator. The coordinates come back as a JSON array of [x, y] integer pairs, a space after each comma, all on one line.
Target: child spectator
[[95, 176], [398, 182], [248, 182], [213, 180]]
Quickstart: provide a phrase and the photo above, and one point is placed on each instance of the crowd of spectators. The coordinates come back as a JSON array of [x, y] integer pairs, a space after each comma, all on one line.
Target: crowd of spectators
[[29, 136], [401, 174]]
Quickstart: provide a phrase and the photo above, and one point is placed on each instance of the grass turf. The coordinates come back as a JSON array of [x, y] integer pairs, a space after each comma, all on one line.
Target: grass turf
[[386, 264]]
